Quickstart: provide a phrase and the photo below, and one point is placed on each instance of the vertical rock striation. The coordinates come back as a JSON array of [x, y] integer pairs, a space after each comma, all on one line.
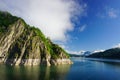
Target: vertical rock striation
[[21, 44]]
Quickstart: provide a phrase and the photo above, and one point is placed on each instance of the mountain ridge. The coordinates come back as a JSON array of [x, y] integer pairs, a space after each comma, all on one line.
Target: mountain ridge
[[113, 53], [21, 44]]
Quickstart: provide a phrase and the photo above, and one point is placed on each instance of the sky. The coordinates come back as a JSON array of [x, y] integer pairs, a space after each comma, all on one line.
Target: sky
[[76, 25]]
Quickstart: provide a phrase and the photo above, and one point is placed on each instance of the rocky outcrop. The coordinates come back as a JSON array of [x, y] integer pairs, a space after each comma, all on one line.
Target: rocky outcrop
[[21, 44]]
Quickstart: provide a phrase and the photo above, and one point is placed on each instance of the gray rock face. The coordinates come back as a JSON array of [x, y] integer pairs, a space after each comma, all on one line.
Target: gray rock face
[[21, 44]]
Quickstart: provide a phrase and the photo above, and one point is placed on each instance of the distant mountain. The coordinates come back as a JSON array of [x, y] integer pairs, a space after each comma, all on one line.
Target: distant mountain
[[87, 53], [113, 53], [21, 44], [75, 55], [81, 54]]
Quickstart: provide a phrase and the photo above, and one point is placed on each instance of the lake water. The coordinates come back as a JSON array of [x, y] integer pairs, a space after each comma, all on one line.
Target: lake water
[[82, 69]]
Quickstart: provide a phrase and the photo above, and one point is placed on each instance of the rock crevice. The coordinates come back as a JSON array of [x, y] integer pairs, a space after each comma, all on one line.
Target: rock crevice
[[21, 44]]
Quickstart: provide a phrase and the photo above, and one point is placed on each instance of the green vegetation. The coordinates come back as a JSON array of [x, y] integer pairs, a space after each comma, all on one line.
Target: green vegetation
[[53, 49], [58, 50], [6, 19], [39, 33], [113, 53]]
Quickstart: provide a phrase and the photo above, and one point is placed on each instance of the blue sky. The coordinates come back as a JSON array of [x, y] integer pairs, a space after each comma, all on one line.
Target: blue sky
[[74, 24], [101, 26]]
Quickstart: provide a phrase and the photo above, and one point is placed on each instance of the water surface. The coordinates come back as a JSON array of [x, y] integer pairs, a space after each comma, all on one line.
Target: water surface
[[82, 69]]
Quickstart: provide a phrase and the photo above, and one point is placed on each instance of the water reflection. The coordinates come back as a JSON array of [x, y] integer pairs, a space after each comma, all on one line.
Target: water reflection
[[82, 69], [34, 73], [109, 62]]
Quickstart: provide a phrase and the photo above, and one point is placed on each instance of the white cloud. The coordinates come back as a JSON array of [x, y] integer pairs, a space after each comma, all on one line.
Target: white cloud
[[108, 12], [112, 13], [82, 28], [81, 52], [117, 46], [53, 17], [98, 51], [63, 46]]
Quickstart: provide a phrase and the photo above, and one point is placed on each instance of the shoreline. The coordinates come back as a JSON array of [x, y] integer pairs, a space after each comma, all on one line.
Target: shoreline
[[32, 62]]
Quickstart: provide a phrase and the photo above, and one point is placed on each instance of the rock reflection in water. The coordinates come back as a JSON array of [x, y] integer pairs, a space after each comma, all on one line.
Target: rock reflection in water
[[34, 73]]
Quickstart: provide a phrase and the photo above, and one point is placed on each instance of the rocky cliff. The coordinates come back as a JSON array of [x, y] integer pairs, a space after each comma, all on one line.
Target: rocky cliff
[[21, 44]]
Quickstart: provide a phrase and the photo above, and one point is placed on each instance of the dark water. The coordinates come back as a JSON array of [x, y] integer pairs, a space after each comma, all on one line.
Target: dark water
[[82, 69]]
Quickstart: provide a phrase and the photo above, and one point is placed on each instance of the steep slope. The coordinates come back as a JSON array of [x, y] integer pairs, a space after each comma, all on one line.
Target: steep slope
[[113, 53], [21, 44]]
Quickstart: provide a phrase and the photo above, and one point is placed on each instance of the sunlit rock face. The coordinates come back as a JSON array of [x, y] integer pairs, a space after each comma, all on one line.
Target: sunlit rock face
[[21, 44]]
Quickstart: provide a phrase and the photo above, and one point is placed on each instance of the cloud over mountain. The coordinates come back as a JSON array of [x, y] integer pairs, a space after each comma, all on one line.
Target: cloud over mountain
[[53, 17]]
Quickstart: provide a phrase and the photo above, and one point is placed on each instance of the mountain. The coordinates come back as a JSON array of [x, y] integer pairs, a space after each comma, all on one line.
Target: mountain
[[113, 53], [75, 55], [87, 53], [21, 44], [80, 54]]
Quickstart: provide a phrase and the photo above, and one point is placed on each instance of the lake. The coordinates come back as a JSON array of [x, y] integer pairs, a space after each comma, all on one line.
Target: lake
[[82, 69]]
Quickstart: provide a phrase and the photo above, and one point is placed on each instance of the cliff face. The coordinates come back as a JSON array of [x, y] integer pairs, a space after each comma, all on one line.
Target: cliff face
[[21, 44]]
